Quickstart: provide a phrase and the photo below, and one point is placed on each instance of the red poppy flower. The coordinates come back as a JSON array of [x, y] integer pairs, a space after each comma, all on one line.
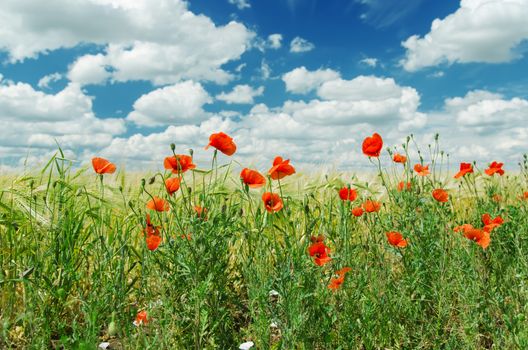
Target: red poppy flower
[[179, 163], [281, 168], [153, 242], [319, 251], [440, 195], [465, 168], [103, 166], [336, 282], [158, 204], [200, 212], [357, 211], [422, 170], [347, 194], [399, 158], [372, 145], [489, 224], [252, 178], [272, 202], [481, 237], [141, 318], [151, 230], [402, 186], [495, 168], [464, 228], [222, 142], [396, 239], [172, 185], [525, 195], [371, 206]]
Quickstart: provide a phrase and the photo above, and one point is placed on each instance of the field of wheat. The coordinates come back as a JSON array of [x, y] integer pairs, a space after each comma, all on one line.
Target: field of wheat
[[415, 256]]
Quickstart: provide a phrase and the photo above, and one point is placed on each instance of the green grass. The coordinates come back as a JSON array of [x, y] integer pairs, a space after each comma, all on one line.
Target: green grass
[[75, 269]]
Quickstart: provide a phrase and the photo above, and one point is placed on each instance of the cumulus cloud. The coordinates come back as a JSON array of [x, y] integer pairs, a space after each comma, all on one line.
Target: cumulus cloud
[[301, 80], [241, 4], [175, 104], [369, 61], [298, 45], [275, 41], [32, 118], [164, 44], [241, 94], [479, 31], [44, 82]]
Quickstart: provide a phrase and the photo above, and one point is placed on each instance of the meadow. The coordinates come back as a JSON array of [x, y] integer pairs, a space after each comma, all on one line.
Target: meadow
[[414, 257]]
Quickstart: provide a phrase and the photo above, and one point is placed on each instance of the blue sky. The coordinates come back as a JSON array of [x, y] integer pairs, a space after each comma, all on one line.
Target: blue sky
[[306, 79]]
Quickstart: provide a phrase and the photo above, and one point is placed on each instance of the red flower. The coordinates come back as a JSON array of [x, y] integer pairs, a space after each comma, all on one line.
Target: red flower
[[465, 168], [525, 195], [103, 166], [372, 145], [222, 142], [465, 228], [141, 318], [495, 168], [153, 242], [158, 204], [371, 206], [347, 194], [440, 195], [422, 170], [399, 158], [272, 202], [172, 185], [151, 230], [179, 163], [357, 211], [336, 282], [200, 212], [489, 224], [402, 186], [281, 168], [481, 237], [319, 251], [252, 178], [396, 239]]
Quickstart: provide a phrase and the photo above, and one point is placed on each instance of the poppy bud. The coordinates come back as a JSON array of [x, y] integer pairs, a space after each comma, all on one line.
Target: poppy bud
[[31, 184], [142, 183], [130, 205], [189, 190], [152, 180], [436, 136], [191, 152], [121, 189], [172, 146]]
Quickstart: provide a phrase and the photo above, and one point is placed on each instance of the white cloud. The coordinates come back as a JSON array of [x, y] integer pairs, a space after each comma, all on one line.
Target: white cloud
[[275, 41], [165, 43], [298, 45], [44, 82], [479, 31], [89, 69], [241, 4], [300, 80], [370, 61], [32, 118], [241, 94], [175, 104], [265, 70]]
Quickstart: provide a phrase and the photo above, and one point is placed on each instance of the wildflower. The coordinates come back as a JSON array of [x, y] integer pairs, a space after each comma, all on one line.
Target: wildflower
[[187, 236], [489, 224], [272, 202], [481, 237], [440, 195], [103, 166], [281, 168], [347, 194], [252, 178], [465, 168], [141, 318], [151, 230], [422, 170], [372, 145], [371, 206], [172, 185], [357, 211], [525, 195], [402, 186], [318, 238], [246, 346], [336, 282], [399, 158], [200, 212], [158, 204], [319, 251], [396, 239], [464, 228], [495, 168], [153, 242], [222, 142], [179, 163]]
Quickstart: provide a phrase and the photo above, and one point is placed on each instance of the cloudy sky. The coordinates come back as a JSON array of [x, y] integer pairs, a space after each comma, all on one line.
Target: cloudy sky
[[305, 79]]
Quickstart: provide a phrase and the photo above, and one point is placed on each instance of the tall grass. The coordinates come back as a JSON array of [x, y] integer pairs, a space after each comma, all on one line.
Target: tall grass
[[75, 268]]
